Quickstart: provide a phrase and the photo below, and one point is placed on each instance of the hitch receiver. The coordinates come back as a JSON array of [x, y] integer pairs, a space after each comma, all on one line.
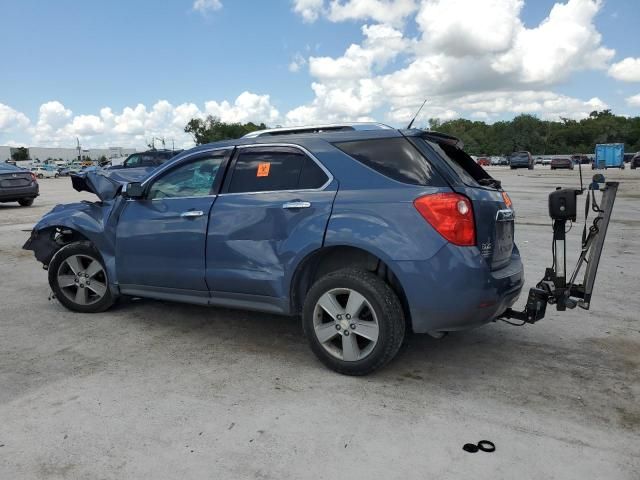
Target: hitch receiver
[[555, 287]]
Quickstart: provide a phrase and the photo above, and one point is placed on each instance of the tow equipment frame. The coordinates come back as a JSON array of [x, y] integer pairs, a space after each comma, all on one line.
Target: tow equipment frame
[[556, 288]]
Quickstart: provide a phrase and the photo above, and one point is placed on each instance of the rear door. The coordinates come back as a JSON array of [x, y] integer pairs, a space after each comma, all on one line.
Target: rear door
[[273, 210]]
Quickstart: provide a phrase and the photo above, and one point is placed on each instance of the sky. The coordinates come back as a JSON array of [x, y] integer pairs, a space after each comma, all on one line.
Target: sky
[[117, 73]]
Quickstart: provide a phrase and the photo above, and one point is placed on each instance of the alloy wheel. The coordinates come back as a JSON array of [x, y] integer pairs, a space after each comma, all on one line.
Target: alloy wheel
[[345, 324], [82, 279]]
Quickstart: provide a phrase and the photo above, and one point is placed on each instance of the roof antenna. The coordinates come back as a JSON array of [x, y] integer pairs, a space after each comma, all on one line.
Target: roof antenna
[[416, 116]]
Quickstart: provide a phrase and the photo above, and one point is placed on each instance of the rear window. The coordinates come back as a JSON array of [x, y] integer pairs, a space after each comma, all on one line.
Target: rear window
[[395, 158]]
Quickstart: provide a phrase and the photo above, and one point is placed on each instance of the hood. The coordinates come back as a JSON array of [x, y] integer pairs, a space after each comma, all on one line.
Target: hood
[[104, 183]]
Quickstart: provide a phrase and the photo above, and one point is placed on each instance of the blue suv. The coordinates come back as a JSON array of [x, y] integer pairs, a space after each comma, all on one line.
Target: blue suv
[[365, 231]]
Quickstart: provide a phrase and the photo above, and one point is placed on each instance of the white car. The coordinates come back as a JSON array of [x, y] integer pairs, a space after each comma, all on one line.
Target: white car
[[44, 173]]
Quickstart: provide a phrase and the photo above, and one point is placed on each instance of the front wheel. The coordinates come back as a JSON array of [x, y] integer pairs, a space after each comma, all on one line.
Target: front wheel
[[354, 321], [40, 176], [78, 277], [25, 202]]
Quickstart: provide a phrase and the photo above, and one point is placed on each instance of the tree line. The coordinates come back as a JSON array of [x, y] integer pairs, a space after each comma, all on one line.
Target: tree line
[[524, 132], [540, 137]]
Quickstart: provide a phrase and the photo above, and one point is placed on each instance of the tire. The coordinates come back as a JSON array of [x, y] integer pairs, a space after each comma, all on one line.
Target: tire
[[553, 168], [26, 202], [513, 168], [379, 308], [78, 294], [40, 176], [56, 175]]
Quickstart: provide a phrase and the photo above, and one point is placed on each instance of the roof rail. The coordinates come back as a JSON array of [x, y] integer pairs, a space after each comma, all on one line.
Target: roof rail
[[336, 127]]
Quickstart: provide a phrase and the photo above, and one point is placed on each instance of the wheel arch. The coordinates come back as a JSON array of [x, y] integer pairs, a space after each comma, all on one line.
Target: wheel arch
[[336, 257]]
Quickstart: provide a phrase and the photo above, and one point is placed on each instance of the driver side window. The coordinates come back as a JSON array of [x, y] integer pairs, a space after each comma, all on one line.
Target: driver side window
[[193, 179]]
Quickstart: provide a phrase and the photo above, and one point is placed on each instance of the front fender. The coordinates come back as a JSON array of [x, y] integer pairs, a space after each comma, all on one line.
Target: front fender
[[91, 220]]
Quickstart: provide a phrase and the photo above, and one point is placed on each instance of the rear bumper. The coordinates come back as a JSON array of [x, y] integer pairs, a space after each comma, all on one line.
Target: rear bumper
[[456, 290], [13, 194]]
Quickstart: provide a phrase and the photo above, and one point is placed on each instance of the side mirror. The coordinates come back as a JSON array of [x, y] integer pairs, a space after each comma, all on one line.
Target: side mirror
[[133, 190]]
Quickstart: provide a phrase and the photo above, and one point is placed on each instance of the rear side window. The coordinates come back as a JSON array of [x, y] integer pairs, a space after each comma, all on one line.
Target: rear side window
[[273, 169], [395, 158]]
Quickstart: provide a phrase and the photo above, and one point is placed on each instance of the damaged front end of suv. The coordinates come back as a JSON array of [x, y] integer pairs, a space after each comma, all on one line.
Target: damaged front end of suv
[[92, 222]]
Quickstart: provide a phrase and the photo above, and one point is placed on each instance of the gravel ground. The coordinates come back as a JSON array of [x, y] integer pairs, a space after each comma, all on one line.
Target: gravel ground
[[159, 390]]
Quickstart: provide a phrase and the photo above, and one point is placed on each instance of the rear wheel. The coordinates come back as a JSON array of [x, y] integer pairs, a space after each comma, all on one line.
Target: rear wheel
[[79, 279], [26, 202], [40, 175], [354, 321]]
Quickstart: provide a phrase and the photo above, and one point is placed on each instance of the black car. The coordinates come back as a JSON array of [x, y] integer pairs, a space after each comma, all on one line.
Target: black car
[[17, 185], [149, 160], [628, 157], [635, 161]]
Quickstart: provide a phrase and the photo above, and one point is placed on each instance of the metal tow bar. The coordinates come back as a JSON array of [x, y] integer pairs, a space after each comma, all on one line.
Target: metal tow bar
[[555, 287]]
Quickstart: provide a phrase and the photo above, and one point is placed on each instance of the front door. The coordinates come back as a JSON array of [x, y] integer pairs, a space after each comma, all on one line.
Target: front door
[[160, 239], [273, 210]]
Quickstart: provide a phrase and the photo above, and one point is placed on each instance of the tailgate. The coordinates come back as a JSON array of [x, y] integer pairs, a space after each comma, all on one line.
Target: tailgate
[[494, 225]]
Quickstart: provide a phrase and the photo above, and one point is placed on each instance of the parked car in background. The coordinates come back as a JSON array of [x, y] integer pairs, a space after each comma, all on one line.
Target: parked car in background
[[546, 161], [559, 162], [484, 161], [635, 161], [627, 157], [42, 172], [17, 185], [521, 160], [363, 233], [148, 160]]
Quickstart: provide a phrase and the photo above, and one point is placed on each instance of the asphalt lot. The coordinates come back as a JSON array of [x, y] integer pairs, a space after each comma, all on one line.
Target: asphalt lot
[[159, 390]]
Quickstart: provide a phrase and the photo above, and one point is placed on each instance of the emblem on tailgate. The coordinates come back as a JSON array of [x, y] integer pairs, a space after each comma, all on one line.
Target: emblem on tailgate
[[485, 248]]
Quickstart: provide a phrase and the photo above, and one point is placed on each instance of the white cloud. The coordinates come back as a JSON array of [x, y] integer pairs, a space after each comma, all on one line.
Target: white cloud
[[204, 6], [565, 42], [133, 125], [309, 10], [382, 11], [469, 27], [628, 70], [297, 63], [634, 100], [463, 47], [11, 119]]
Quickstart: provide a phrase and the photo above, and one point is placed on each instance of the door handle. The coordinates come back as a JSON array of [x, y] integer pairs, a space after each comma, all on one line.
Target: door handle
[[296, 205], [192, 214]]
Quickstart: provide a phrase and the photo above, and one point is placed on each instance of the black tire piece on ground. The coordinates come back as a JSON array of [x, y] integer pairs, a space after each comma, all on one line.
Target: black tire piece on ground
[[26, 202], [388, 310], [78, 248]]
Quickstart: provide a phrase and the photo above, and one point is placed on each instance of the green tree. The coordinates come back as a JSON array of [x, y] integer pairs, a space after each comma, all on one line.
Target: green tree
[[527, 132], [212, 129], [19, 154]]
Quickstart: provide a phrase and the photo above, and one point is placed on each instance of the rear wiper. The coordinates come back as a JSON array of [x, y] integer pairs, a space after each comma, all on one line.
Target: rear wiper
[[490, 182]]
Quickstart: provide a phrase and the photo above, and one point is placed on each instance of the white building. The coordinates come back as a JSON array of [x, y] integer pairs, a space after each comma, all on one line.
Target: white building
[[69, 154]]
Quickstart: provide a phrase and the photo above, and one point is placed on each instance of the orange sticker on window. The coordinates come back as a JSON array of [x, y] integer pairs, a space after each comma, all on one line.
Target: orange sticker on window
[[263, 169]]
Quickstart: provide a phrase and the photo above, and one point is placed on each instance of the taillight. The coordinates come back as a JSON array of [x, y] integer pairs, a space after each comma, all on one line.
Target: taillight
[[451, 214], [33, 177], [507, 200]]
